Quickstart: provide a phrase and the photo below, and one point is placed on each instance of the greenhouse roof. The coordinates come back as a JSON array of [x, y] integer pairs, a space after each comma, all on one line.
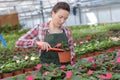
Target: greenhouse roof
[[34, 7], [27, 5]]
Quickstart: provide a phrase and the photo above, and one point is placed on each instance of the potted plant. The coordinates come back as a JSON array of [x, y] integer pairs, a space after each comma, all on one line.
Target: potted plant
[[65, 55], [29, 64], [19, 68], [7, 69]]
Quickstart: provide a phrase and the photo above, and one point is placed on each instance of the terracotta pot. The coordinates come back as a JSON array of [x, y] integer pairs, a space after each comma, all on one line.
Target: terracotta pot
[[29, 69], [18, 72], [64, 56], [5, 75]]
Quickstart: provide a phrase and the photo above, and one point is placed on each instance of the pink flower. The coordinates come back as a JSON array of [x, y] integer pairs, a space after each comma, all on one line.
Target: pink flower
[[58, 45], [63, 66], [75, 44], [15, 57], [47, 64], [46, 73], [54, 71], [88, 38], [118, 60], [73, 65], [38, 66], [112, 63], [29, 77], [80, 68], [107, 76], [68, 74], [73, 61], [90, 71], [80, 41], [118, 52], [62, 70], [90, 59], [114, 38], [102, 77]]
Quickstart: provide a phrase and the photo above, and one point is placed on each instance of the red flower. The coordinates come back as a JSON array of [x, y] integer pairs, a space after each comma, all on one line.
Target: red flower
[[109, 50], [90, 59], [68, 74], [118, 60], [29, 77], [90, 71], [38, 66], [94, 65]]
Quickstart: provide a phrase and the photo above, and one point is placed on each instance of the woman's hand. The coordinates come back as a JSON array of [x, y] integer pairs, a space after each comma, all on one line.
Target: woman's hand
[[44, 45]]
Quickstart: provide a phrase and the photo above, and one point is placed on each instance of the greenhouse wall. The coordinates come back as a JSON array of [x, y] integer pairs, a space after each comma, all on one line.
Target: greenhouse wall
[[93, 15], [105, 14]]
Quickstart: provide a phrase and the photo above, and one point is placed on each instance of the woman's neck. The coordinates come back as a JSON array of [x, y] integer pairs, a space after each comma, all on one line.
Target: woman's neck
[[52, 27]]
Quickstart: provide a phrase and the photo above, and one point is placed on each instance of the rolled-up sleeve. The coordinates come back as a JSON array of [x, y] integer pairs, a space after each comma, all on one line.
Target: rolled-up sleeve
[[28, 40]]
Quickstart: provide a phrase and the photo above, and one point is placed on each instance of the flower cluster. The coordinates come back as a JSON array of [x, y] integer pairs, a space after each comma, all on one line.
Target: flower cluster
[[92, 68]]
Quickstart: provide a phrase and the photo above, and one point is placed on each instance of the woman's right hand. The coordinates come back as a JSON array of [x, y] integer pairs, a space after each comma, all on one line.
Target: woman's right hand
[[44, 45]]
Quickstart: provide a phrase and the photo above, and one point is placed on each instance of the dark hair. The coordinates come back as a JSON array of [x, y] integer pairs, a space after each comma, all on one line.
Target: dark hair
[[61, 5]]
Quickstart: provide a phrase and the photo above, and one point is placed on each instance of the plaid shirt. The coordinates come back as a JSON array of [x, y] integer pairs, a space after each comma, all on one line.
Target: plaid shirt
[[38, 33]]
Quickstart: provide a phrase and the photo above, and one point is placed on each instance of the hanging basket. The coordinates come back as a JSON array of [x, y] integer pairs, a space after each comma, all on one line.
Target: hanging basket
[[64, 57]]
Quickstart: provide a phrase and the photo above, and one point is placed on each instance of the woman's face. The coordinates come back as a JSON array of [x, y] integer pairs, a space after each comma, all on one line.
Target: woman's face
[[59, 17]]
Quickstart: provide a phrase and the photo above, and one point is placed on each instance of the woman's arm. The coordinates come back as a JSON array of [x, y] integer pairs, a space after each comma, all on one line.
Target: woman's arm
[[28, 40]]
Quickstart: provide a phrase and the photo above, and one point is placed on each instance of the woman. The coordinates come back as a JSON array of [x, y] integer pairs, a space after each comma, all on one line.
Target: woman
[[48, 35]]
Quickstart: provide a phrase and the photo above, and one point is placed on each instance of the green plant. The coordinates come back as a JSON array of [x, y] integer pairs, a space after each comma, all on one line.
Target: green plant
[[62, 45]]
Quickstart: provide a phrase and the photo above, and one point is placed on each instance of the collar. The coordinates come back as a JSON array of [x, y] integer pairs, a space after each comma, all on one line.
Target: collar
[[46, 26]]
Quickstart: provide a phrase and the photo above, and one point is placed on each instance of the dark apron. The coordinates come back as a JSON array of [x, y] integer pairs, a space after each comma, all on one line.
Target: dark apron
[[52, 56]]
